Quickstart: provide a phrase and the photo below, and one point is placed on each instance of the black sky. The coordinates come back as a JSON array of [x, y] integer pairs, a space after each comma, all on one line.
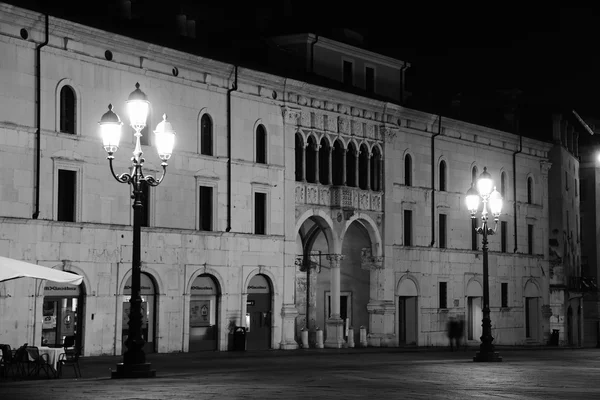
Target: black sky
[[550, 53]]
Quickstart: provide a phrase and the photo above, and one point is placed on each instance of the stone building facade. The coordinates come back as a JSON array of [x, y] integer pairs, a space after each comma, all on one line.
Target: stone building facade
[[286, 205]]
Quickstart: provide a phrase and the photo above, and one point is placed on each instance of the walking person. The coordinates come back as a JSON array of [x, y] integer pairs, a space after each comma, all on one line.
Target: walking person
[[451, 331]]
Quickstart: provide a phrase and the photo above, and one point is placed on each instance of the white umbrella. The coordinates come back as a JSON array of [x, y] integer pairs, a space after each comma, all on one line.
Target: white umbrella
[[13, 269]]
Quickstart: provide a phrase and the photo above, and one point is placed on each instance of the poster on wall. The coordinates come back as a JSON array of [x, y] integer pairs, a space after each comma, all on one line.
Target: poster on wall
[[199, 313]]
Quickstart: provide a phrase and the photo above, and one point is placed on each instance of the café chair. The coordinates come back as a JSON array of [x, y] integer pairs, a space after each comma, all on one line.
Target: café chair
[[69, 358], [37, 362]]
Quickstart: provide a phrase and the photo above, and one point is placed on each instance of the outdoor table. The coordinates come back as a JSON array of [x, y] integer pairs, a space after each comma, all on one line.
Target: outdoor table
[[53, 354]]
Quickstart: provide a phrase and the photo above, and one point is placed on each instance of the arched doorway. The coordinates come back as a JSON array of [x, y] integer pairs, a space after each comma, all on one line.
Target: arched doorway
[[63, 313], [259, 313], [148, 294], [474, 310], [204, 304], [407, 313]]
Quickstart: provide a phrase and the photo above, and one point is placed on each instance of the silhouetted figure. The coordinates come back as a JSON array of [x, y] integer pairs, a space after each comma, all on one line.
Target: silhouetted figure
[[459, 326], [451, 330]]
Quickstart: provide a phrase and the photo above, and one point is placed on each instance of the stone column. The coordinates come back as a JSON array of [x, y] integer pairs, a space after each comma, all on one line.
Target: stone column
[[335, 325], [317, 162], [344, 151], [357, 168], [368, 186], [330, 161], [380, 163], [303, 173]]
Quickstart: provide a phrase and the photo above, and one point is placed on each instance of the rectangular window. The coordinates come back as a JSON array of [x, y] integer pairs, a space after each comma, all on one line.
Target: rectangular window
[[145, 221], [67, 186], [474, 240], [443, 294], [260, 213], [369, 79], [503, 235], [206, 205], [348, 77], [530, 239], [504, 294], [442, 231], [407, 227]]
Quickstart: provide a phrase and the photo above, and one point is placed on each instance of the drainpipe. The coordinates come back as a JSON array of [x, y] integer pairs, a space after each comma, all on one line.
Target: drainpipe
[[312, 54], [233, 87], [515, 188], [38, 117], [402, 83], [433, 179]]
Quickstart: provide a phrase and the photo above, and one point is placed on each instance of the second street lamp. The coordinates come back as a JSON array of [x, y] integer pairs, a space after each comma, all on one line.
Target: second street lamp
[[487, 193], [134, 363]]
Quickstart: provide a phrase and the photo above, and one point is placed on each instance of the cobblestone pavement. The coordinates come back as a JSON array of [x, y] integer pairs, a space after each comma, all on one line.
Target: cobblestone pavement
[[357, 374]]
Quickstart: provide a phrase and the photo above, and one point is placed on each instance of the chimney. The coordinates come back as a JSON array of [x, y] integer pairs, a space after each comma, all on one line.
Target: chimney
[[191, 28], [182, 28], [125, 8]]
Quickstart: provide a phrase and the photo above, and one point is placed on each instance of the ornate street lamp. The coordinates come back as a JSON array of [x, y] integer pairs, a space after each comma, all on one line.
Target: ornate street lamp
[[487, 193], [134, 363]]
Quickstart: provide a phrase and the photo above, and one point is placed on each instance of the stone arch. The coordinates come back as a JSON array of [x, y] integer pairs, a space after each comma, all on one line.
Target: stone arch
[[259, 122], [407, 176], [504, 191], [367, 222], [530, 186], [76, 90], [205, 271], [261, 271], [442, 181], [67, 267], [326, 224], [474, 287], [408, 285], [531, 288], [151, 272], [205, 111]]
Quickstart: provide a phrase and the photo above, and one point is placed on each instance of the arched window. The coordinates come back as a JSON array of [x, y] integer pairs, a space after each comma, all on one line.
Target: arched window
[[206, 135], [442, 176], [503, 184], [67, 110], [407, 170], [261, 144], [351, 165], [529, 190], [474, 175], [363, 159], [299, 147], [311, 160], [376, 170], [324, 154], [337, 171]]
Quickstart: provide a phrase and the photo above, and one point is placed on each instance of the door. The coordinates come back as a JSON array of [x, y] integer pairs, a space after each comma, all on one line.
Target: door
[[531, 318], [345, 312], [258, 314], [407, 320], [474, 319], [203, 314], [147, 293]]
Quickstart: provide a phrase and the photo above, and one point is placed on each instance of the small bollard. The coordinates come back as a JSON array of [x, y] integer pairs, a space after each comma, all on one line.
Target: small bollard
[[319, 344], [350, 337], [363, 336], [304, 336]]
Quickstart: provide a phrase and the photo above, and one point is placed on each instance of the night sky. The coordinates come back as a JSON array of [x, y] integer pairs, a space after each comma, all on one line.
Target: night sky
[[550, 54]]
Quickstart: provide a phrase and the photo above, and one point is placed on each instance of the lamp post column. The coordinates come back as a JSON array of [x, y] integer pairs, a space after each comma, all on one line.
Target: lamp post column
[[135, 342]]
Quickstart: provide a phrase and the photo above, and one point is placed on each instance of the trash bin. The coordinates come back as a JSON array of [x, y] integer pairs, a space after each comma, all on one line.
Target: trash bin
[[239, 339], [554, 337]]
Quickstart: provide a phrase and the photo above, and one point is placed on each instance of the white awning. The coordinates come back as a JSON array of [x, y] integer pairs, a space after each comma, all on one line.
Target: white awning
[[13, 269]]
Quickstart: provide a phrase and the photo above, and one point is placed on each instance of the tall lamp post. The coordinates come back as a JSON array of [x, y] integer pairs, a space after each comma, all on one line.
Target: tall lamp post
[[486, 193], [134, 363]]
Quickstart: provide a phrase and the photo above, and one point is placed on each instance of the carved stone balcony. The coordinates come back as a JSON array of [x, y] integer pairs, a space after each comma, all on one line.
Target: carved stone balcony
[[338, 196]]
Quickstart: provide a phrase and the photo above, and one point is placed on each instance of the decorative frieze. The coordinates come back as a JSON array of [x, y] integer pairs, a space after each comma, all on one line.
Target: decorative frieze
[[316, 120], [290, 115], [357, 128], [388, 134]]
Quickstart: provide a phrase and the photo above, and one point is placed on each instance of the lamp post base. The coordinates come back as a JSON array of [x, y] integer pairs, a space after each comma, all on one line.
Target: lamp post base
[[132, 371], [490, 356]]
